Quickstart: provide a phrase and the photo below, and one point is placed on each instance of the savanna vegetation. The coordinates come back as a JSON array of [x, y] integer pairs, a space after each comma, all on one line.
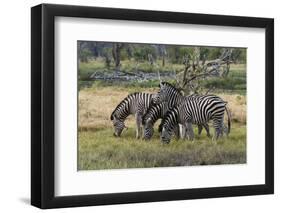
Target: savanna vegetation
[[108, 72]]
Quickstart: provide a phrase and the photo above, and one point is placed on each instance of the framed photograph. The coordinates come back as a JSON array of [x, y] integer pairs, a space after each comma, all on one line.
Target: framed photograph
[[140, 106]]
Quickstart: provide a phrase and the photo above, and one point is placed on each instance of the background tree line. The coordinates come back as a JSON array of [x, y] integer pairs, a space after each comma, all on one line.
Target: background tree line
[[113, 53], [194, 69]]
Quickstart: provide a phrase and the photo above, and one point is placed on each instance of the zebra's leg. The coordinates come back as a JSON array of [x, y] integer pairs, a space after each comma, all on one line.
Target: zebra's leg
[[177, 131], [182, 131], [200, 129], [206, 126], [225, 130], [138, 124], [218, 125], [189, 130]]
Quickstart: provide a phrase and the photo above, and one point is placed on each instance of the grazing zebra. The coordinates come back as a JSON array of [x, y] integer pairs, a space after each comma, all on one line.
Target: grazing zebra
[[173, 97], [195, 111], [134, 104], [154, 113]]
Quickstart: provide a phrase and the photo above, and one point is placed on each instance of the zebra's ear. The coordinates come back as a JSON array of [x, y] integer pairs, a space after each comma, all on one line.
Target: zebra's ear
[[161, 84]]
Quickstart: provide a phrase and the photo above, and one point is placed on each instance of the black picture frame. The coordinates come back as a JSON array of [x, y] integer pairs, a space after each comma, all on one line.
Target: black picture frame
[[43, 102]]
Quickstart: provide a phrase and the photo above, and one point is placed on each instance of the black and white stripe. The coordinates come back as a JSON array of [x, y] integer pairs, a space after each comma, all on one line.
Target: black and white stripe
[[195, 110], [154, 113], [134, 104], [168, 93], [174, 97]]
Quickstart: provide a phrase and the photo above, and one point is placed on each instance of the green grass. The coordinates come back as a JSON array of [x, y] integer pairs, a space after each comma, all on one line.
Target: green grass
[[130, 86], [99, 149], [86, 69], [235, 82]]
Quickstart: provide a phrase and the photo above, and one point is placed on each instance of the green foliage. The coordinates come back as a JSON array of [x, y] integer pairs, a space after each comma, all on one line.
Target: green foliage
[[174, 54], [107, 53], [185, 51], [84, 55], [97, 57], [204, 52], [87, 68], [225, 83], [124, 54], [214, 53], [141, 52], [236, 81], [240, 55], [131, 86]]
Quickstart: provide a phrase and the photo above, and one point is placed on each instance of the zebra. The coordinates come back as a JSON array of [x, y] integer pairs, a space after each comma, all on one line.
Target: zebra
[[196, 111], [134, 104], [156, 112], [168, 93], [173, 97]]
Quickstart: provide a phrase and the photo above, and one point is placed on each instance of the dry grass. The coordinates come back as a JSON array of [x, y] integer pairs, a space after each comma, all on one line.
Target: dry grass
[[98, 149], [237, 105], [97, 104]]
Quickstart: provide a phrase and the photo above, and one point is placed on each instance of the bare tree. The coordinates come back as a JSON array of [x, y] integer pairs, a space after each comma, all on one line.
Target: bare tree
[[163, 52], [116, 53], [196, 70], [150, 59]]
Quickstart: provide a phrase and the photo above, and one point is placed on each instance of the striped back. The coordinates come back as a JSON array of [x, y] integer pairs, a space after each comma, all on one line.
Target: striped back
[[132, 104], [202, 108]]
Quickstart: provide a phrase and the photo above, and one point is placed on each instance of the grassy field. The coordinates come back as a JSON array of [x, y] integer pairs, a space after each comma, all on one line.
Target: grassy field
[[99, 149]]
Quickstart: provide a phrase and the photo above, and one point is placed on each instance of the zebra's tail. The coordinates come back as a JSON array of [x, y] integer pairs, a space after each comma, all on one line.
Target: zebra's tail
[[229, 119]]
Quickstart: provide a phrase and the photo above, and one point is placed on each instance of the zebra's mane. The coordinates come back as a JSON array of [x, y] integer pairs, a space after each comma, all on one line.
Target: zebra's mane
[[123, 103], [179, 91]]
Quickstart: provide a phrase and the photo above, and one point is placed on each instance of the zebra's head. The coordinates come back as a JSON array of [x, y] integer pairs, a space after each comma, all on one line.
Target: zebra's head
[[166, 135], [148, 129], [118, 125], [168, 125], [161, 95], [166, 93]]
